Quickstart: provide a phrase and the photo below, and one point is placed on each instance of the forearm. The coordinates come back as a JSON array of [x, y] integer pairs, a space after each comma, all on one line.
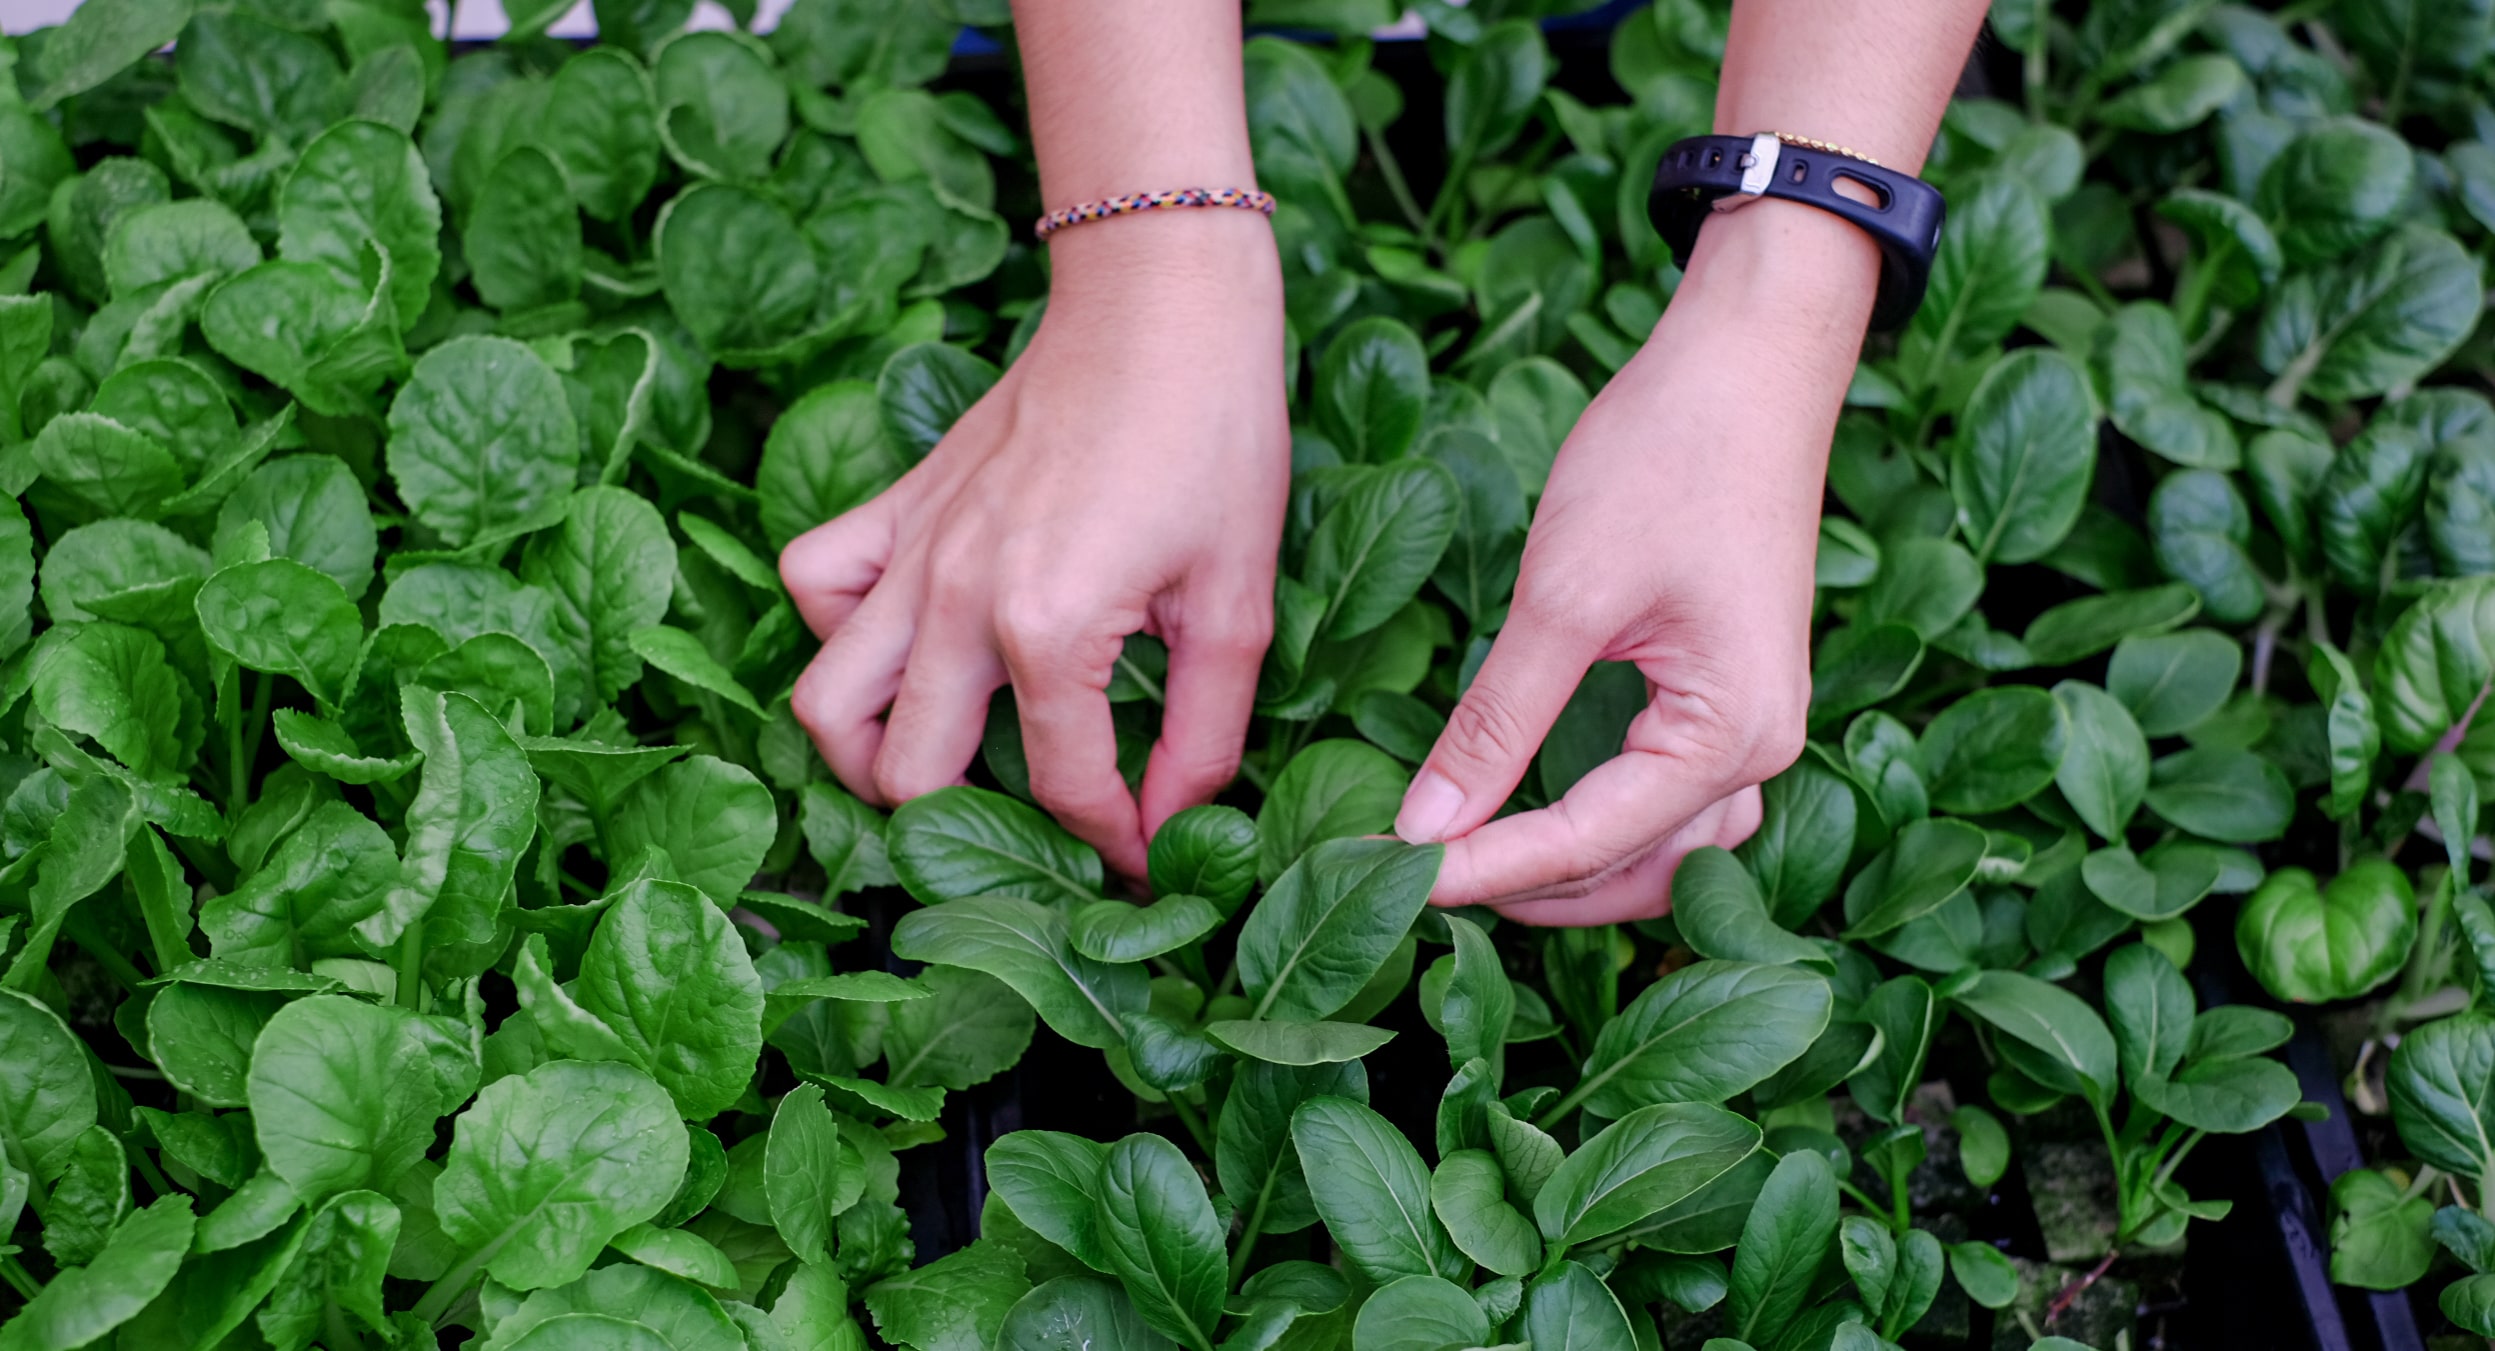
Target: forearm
[[1871, 75], [1139, 96]]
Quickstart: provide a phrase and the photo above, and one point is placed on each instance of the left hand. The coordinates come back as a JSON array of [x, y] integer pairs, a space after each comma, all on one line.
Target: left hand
[[1678, 531]]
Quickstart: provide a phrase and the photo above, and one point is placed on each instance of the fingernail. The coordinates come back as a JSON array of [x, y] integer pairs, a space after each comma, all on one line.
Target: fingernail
[[1428, 808]]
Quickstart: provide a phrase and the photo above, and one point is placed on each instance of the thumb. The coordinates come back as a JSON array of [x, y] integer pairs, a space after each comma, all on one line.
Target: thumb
[[1491, 737]]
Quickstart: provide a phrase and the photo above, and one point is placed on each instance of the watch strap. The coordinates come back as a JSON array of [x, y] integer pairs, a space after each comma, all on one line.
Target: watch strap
[[1711, 173]]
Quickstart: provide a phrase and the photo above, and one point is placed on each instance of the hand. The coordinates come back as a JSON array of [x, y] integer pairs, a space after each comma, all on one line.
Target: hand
[[1678, 531], [1128, 474]]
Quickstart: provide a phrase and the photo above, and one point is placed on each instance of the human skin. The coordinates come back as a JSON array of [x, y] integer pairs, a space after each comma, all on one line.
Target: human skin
[[1067, 509]]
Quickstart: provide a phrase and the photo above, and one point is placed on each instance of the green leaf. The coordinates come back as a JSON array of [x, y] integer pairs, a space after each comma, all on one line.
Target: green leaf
[[2437, 657], [682, 655], [362, 183], [1783, 1243], [1722, 914], [1050, 1180], [1330, 922], [1158, 1231], [1423, 1313], [114, 470], [2171, 882], [736, 270], [1928, 585], [1492, 92], [1987, 271], [335, 1272], [344, 1094], [314, 512], [1983, 1146], [2084, 627], [714, 819], [924, 389], [1642, 1164], [1331, 789], [2353, 736], [967, 1031], [1984, 1273], [1292, 1041], [1468, 1194], [1376, 1198], [600, 127], [1751, 1020], [282, 617], [1077, 1313], [1908, 1016], [1993, 749], [2072, 1041], [327, 342], [1024, 944], [2367, 497], [1859, 665], [83, 1304], [678, 1253], [610, 568], [1208, 851], [474, 812], [2373, 321], [545, 1168], [201, 1036], [2021, 466], [960, 842], [1569, 1306], [2314, 943], [100, 41], [826, 454], [2172, 681], [2233, 796], [1253, 1154], [2104, 771], [1118, 931], [482, 440], [1380, 539], [1372, 386], [668, 978], [2336, 187], [111, 682], [326, 877], [805, 1179], [956, 1303], [1930, 862]]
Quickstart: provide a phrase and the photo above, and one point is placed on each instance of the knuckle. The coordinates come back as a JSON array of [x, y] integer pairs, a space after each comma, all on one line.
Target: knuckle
[[1486, 725], [1034, 624]]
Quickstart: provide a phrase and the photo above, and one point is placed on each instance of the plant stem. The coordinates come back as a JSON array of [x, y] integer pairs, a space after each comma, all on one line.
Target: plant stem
[[1247, 1237], [1194, 1121], [1390, 169], [411, 966], [445, 1292], [22, 1280], [339, 1333], [155, 1176], [1448, 191], [1151, 687]]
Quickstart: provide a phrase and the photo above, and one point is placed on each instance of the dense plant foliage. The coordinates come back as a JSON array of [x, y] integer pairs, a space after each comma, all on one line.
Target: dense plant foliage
[[422, 912]]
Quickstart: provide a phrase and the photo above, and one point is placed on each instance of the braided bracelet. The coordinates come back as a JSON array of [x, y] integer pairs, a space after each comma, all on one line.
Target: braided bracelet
[[1243, 198]]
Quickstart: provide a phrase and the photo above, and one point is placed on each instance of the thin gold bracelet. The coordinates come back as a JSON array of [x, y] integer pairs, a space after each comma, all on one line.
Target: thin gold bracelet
[[1828, 147]]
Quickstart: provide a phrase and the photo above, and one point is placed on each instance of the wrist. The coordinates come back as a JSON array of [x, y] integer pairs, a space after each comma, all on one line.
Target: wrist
[[1179, 261], [1790, 267]]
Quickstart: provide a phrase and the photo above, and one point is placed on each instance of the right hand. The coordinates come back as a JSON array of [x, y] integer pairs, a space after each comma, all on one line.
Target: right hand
[[1129, 473]]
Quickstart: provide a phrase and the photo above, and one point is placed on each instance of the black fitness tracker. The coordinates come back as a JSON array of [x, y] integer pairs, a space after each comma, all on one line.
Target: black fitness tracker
[[1719, 173]]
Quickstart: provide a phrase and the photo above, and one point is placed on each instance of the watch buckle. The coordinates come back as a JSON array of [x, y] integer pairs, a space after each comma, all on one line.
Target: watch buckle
[[1758, 169]]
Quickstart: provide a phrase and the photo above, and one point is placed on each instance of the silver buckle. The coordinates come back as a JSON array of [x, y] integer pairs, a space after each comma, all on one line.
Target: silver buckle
[[1758, 169]]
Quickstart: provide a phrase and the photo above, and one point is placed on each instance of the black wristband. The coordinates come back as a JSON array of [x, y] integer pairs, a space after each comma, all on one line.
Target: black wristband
[[1906, 221]]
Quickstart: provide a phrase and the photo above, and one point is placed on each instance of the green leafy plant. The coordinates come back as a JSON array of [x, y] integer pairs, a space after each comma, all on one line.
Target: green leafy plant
[[422, 912]]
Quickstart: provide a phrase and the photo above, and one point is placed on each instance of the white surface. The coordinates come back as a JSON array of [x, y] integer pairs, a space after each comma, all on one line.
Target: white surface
[[474, 18]]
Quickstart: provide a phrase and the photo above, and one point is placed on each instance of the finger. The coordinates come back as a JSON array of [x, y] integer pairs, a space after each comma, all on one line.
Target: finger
[[1060, 688], [939, 711], [841, 697], [1204, 719], [1643, 889], [1618, 811], [1523, 684], [828, 570]]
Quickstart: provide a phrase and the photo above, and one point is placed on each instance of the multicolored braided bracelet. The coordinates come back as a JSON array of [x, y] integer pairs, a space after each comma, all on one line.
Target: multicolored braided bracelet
[[1243, 198]]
